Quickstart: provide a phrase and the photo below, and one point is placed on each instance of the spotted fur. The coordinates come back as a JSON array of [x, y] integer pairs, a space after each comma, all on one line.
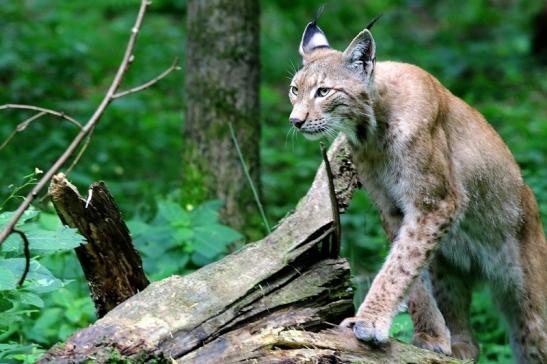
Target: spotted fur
[[450, 193]]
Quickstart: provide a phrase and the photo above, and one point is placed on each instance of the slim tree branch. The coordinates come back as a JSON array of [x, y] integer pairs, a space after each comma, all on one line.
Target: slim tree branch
[[61, 115], [127, 58], [173, 67], [80, 153], [41, 112], [22, 126], [133, 90]]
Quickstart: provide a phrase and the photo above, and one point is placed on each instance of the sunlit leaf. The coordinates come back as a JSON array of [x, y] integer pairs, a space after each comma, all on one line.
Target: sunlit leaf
[[41, 240], [29, 298], [39, 278], [173, 213], [5, 217]]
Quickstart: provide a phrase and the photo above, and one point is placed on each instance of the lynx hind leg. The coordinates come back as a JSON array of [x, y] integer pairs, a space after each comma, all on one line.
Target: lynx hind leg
[[524, 304], [527, 328], [430, 331], [452, 291]]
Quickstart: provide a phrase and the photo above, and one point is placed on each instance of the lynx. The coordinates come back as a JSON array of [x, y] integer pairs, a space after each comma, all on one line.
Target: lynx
[[449, 191]]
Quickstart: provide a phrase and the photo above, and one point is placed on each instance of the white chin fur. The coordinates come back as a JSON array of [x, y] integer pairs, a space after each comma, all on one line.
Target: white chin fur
[[315, 136]]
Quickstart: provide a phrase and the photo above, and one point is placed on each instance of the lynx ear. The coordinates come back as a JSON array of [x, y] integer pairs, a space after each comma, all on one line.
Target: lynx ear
[[313, 37], [360, 55]]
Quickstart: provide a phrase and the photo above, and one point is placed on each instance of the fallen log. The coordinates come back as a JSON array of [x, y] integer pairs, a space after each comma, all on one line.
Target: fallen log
[[277, 300]]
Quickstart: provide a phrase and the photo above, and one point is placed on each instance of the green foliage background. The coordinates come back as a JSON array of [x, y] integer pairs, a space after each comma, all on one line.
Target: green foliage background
[[63, 54]]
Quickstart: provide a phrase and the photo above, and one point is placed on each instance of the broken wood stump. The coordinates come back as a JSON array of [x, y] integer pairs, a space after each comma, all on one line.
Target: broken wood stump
[[277, 300], [111, 265]]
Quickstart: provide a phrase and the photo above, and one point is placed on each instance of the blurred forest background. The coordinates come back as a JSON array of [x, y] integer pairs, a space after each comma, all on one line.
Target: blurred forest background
[[63, 54]]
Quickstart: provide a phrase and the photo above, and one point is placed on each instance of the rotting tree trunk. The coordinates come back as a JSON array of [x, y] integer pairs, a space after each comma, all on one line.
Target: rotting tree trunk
[[274, 301], [222, 81], [111, 265]]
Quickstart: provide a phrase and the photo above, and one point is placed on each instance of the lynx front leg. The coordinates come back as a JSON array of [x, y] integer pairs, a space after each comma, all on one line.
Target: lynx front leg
[[430, 330], [409, 253]]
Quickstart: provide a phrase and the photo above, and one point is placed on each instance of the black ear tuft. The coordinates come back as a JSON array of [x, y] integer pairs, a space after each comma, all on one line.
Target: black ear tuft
[[371, 23], [313, 37], [318, 13]]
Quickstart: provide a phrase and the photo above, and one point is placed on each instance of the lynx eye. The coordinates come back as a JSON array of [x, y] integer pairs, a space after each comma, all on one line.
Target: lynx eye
[[323, 91], [293, 90]]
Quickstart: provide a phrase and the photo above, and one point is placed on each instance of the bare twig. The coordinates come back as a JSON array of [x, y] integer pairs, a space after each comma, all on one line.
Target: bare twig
[[146, 85], [335, 248], [41, 112], [26, 251], [61, 115], [127, 58], [80, 153], [22, 126], [8, 139], [133, 90]]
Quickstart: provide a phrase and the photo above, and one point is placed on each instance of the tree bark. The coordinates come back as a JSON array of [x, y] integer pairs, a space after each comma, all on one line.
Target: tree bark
[[222, 80], [539, 35], [111, 265], [275, 301]]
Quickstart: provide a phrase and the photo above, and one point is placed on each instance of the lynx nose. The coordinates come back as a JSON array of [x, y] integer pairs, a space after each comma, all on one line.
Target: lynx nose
[[296, 122]]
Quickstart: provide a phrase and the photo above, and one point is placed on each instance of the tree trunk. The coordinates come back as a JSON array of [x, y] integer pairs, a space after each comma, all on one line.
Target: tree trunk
[[111, 265], [222, 80], [276, 301], [539, 35]]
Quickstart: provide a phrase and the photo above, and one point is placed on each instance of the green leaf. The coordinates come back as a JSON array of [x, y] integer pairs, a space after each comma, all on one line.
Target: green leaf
[[63, 239], [8, 318], [31, 299], [212, 240], [46, 325], [183, 234], [206, 214], [45, 241], [15, 350], [172, 213], [73, 314], [49, 221], [8, 280], [39, 278], [155, 241], [201, 260], [137, 227], [5, 217], [65, 331]]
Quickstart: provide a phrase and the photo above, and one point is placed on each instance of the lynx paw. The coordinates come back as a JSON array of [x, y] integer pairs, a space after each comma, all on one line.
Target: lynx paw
[[465, 348], [370, 331], [437, 344]]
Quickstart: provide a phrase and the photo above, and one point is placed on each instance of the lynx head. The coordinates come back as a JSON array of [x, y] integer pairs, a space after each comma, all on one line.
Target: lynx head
[[332, 92]]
